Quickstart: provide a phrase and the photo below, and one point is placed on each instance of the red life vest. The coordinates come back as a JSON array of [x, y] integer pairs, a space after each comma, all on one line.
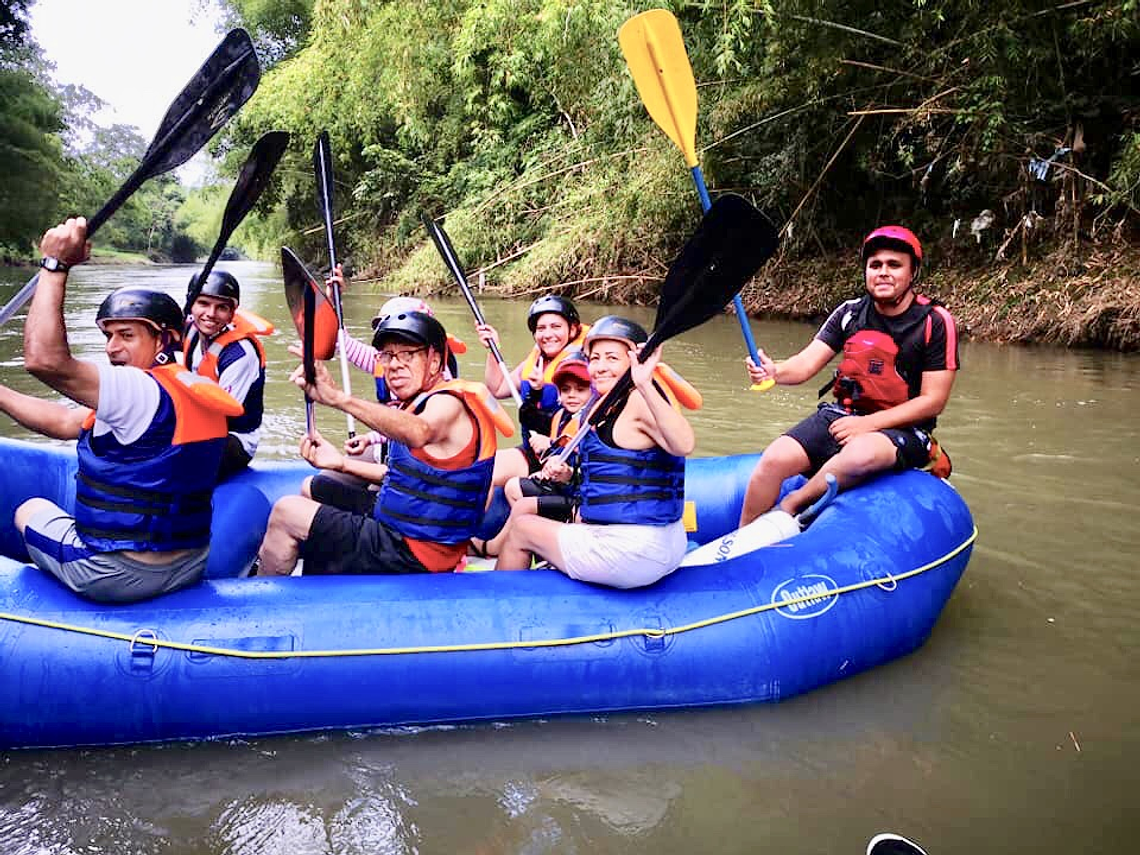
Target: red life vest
[[867, 379]]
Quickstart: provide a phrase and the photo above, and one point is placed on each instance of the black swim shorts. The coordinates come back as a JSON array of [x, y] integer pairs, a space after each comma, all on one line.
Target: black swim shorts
[[912, 446]]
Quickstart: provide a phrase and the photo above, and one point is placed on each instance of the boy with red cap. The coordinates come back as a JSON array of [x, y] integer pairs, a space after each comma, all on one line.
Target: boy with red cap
[[900, 356], [549, 492]]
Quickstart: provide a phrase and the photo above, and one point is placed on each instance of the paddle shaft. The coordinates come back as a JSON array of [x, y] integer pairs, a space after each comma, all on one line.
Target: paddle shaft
[[307, 347], [144, 171], [322, 162], [668, 75], [440, 239]]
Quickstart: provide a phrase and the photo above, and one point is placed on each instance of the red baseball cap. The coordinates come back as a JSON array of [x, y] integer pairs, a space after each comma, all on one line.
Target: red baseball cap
[[573, 365]]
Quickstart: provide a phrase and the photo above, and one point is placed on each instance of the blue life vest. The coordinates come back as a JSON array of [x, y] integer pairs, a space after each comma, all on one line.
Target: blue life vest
[[155, 494], [383, 393], [636, 487], [424, 502]]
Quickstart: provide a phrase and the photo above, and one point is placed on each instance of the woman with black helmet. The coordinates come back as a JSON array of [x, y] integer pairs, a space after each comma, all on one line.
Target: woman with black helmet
[[632, 468], [150, 440], [222, 343], [900, 354], [558, 331]]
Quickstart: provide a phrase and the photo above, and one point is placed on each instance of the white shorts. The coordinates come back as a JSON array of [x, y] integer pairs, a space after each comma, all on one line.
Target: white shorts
[[621, 556]]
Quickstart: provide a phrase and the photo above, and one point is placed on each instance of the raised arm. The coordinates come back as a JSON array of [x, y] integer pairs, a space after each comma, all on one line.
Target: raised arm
[[493, 377], [656, 417], [429, 429], [47, 355]]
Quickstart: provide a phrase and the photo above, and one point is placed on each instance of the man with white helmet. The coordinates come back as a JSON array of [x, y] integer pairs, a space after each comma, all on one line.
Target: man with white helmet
[[900, 357]]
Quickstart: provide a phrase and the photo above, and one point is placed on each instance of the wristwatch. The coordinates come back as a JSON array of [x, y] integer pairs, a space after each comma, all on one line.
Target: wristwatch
[[50, 262]]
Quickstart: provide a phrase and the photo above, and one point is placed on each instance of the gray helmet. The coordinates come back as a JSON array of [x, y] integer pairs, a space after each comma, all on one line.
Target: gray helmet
[[611, 326], [218, 284], [141, 304], [551, 304], [416, 327]]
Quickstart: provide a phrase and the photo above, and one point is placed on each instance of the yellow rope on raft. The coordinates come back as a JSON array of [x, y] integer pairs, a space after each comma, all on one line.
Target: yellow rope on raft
[[148, 638]]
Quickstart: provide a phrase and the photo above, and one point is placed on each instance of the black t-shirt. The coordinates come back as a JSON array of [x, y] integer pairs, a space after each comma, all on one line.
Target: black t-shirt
[[926, 335]]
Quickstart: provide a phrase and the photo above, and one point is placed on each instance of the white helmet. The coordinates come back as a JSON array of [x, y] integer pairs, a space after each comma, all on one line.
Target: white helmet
[[396, 305]]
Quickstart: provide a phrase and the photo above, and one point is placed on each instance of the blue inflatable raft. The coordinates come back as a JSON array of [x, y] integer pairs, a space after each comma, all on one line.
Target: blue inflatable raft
[[863, 585]]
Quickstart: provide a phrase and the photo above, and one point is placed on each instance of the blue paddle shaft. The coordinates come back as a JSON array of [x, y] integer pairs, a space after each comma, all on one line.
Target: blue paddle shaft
[[741, 316]]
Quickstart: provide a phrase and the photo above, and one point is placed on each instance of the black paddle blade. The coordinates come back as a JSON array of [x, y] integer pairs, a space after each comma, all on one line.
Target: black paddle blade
[[728, 247], [224, 82], [731, 243], [254, 178], [251, 183]]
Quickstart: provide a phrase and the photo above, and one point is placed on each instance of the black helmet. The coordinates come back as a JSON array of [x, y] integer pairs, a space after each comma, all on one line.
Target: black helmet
[[141, 304], [412, 326], [551, 304], [218, 284], [611, 326]]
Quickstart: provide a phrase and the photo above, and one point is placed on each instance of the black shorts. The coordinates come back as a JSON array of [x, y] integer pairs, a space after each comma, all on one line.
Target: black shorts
[[343, 491], [343, 543], [912, 446], [235, 459], [555, 500]]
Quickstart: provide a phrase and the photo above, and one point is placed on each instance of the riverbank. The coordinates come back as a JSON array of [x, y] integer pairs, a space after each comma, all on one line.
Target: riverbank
[[98, 256], [1085, 298]]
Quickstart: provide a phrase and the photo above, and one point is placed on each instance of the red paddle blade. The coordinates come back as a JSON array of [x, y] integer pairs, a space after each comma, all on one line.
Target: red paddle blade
[[324, 325]]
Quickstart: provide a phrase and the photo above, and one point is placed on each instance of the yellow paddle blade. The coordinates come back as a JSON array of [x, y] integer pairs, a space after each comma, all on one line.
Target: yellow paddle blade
[[655, 53]]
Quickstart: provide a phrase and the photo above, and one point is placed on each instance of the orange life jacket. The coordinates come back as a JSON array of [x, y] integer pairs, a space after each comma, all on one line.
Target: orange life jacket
[[245, 325]]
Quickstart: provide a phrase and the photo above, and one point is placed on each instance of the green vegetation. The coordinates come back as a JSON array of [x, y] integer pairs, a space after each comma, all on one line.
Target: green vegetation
[[57, 162], [519, 121], [1004, 133]]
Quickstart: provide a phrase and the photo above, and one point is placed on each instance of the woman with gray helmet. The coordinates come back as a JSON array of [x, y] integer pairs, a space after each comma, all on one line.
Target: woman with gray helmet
[[631, 499], [558, 331]]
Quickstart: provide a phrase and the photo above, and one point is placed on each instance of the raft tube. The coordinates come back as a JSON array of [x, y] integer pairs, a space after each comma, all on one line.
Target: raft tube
[[863, 585]]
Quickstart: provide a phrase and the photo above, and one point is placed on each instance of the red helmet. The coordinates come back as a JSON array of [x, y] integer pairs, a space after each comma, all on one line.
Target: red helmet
[[893, 237]]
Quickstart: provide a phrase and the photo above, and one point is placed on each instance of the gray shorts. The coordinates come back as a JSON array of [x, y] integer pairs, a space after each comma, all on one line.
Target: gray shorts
[[106, 577]]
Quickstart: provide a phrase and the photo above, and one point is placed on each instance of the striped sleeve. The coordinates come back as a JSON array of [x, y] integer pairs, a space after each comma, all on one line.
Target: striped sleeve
[[362, 355]]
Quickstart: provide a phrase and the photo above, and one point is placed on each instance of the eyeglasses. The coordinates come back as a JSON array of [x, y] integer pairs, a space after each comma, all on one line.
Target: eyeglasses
[[404, 357]]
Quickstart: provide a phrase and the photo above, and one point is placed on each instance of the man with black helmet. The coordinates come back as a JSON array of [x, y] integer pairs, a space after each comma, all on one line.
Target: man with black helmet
[[222, 343], [900, 357], [442, 446], [150, 434]]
